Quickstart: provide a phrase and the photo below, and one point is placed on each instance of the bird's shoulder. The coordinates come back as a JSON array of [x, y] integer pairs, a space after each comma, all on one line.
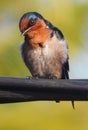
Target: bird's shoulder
[[57, 31]]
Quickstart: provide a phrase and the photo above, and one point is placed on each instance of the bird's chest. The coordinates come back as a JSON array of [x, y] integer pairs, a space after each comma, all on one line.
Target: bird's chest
[[47, 59], [38, 60], [41, 55]]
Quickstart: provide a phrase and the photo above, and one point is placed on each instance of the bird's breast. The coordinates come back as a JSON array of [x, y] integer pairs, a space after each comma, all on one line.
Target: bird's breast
[[47, 59]]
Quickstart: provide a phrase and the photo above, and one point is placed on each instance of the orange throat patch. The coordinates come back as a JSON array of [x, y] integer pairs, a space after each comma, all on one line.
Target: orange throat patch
[[39, 36]]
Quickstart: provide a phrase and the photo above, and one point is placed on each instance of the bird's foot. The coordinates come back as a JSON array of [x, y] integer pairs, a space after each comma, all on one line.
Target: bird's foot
[[32, 77], [29, 77], [52, 77]]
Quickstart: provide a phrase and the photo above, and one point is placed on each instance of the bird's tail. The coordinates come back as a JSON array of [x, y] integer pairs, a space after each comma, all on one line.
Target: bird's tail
[[73, 105]]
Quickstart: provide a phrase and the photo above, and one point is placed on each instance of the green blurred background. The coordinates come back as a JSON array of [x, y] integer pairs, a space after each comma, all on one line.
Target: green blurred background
[[71, 16]]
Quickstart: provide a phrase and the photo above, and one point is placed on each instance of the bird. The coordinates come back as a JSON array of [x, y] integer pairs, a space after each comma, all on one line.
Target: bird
[[44, 50]]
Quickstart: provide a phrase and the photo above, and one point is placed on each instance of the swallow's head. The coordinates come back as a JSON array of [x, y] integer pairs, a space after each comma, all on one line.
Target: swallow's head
[[29, 21], [34, 27]]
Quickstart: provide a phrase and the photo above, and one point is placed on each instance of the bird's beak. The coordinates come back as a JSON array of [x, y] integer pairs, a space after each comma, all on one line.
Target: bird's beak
[[24, 32]]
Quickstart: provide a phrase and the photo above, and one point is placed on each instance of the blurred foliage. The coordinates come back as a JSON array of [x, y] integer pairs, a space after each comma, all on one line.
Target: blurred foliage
[[71, 16]]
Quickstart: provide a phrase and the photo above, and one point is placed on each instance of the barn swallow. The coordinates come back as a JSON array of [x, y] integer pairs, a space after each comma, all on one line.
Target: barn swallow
[[45, 50]]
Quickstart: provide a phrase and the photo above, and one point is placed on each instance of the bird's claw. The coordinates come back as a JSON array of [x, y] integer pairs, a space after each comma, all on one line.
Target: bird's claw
[[32, 77]]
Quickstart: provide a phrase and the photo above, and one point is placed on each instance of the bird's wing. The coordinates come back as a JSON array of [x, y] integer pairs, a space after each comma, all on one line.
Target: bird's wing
[[65, 70], [65, 66]]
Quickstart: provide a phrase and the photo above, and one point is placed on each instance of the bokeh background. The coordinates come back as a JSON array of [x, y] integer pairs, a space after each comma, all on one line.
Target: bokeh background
[[71, 16]]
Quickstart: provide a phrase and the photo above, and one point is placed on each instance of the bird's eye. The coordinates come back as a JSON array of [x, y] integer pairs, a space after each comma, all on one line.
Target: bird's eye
[[32, 22]]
